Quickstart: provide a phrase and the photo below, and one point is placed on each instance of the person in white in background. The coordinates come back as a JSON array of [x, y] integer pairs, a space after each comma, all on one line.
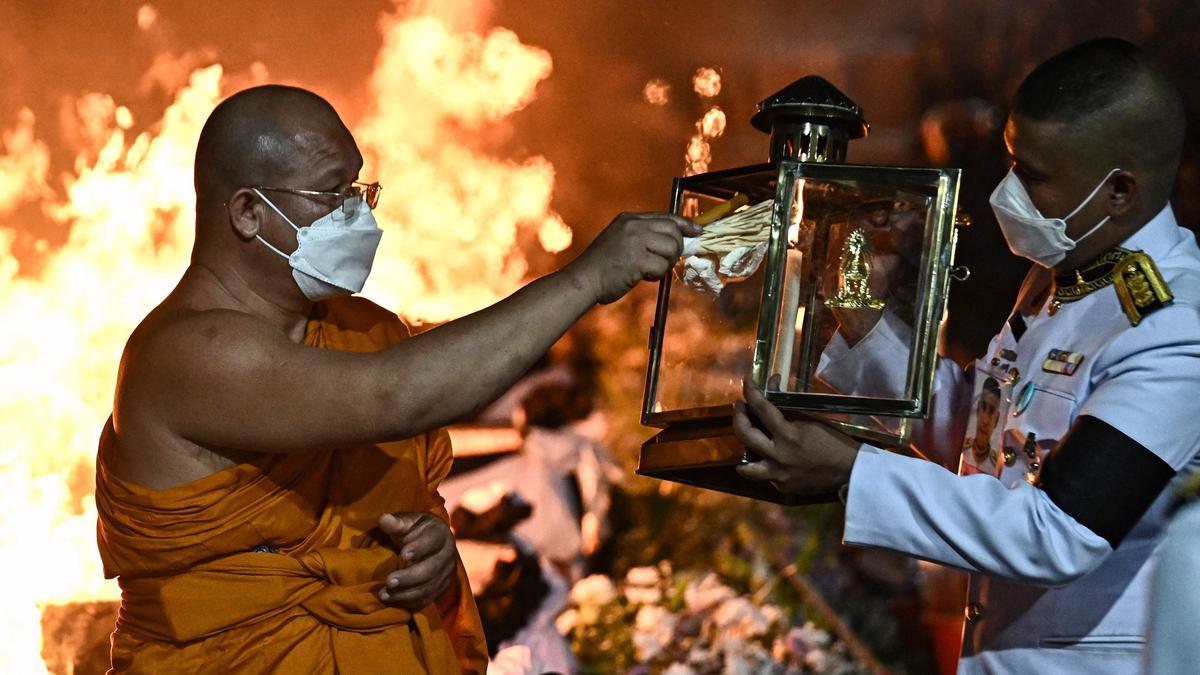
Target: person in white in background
[[565, 475]]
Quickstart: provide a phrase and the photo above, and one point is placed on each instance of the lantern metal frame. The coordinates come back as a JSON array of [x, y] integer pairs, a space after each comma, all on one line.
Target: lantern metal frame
[[697, 445]]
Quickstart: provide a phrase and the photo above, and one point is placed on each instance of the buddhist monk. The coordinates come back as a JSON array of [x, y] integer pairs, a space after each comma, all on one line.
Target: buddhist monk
[[267, 483]]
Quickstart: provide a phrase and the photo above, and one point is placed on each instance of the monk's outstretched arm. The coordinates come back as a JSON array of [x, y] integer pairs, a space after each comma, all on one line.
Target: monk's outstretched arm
[[222, 378]]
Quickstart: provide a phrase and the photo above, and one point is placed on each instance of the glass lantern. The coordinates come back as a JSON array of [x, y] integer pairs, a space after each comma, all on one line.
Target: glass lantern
[[801, 259]]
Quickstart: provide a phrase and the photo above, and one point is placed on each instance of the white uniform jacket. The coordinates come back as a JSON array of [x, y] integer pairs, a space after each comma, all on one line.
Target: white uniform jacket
[[1061, 570], [1175, 602]]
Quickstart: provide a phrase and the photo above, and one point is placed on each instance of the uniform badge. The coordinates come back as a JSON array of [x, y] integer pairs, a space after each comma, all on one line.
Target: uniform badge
[[1024, 399], [1033, 458], [982, 446], [1140, 287], [1062, 362]]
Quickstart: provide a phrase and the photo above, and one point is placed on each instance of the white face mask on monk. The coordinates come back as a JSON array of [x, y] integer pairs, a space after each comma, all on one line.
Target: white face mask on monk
[[334, 254]]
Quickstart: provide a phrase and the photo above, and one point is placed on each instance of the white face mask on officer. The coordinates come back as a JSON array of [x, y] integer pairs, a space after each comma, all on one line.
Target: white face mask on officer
[[1030, 234], [334, 254]]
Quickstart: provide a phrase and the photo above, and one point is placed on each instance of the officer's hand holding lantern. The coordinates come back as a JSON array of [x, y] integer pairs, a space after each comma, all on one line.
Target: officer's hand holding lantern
[[799, 458]]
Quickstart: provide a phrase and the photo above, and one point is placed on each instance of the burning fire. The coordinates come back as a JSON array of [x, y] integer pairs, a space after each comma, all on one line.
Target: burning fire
[[452, 213]]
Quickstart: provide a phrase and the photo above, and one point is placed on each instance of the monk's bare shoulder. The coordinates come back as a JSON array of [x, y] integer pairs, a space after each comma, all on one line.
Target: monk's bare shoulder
[[172, 339]]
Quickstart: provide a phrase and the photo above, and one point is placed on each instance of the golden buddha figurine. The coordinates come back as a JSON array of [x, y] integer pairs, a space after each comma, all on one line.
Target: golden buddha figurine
[[854, 275]]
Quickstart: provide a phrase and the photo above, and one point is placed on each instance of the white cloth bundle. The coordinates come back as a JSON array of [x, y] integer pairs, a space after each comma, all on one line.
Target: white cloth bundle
[[730, 248]]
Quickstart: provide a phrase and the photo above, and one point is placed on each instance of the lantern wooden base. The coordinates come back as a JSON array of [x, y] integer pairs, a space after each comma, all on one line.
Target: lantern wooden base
[[705, 455]]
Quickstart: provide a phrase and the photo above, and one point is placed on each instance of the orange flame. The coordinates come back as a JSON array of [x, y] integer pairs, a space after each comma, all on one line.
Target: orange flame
[[23, 166], [452, 214], [129, 211]]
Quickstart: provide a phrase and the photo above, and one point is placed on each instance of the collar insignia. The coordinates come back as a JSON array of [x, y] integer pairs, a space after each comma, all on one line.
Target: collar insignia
[[1139, 285]]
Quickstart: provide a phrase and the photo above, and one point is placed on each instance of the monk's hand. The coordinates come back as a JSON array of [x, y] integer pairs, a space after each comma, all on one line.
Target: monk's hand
[[428, 557], [799, 458], [634, 247]]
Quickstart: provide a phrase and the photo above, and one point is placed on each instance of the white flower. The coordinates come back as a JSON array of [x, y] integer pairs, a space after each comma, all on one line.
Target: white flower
[[815, 660], [749, 659], [642, 586], [705, 594], [774, 615], [514, 660], [653, 628], [800, 643], [641, 595], [735, 664], [642, 576], [813, 635], [566, 622], [589, 615], [652, 618], [724, 645], [738, 617], [593, 591]]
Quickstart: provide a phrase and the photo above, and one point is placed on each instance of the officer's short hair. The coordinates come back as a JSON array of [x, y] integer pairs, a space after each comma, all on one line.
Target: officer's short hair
[[1083, 80]]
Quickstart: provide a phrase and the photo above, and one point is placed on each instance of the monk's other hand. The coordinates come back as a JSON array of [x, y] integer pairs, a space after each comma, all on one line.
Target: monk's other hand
[[634, 247], [425, 546], [799, 458]]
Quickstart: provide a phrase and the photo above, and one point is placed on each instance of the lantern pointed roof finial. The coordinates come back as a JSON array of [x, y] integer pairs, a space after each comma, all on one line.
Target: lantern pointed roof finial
[[813, 99]]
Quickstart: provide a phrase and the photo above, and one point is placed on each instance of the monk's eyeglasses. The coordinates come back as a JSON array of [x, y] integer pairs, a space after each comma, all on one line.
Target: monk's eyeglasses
[[368, 192]]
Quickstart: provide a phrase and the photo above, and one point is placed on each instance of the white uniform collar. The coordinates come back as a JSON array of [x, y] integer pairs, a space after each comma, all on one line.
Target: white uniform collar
[[1157, 237]]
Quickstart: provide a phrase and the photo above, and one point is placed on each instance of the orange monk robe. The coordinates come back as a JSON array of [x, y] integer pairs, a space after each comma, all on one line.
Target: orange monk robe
[[197, 598]]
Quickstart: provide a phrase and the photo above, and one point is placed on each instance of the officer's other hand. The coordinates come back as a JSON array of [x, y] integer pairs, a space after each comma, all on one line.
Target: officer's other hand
[[854, 324], [799, 458], [634, 247], [426, 549]]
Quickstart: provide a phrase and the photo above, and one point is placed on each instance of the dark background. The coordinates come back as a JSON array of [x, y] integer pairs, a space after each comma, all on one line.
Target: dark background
[[951, 62]]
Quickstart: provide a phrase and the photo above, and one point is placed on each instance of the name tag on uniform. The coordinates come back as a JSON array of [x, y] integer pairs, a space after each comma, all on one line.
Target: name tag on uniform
[[1062, 362]]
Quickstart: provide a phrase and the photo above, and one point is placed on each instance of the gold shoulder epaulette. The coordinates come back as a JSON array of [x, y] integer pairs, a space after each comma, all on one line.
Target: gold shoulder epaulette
[[1140, 286], [1188, 492]]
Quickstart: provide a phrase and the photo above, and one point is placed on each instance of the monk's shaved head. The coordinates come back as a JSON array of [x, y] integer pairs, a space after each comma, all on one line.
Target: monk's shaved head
[[1115, 106], [265, 135]]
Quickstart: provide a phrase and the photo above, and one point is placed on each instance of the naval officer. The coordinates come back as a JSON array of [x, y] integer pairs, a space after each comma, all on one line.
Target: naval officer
[[1099, 371]]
